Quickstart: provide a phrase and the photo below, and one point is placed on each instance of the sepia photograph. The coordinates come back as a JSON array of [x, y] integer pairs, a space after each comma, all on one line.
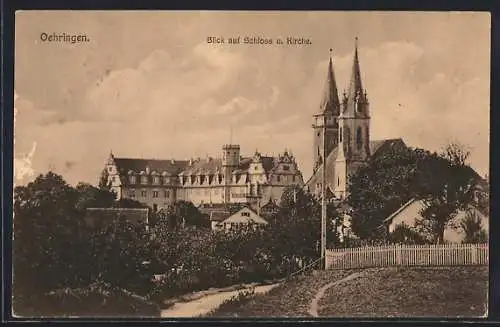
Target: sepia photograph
[[251, 164]]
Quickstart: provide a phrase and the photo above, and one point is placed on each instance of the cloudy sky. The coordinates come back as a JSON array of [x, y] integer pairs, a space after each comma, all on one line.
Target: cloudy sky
[[147, 84]]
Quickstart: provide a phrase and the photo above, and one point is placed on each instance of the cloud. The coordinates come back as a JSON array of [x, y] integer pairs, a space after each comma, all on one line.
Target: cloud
[[181, 98]]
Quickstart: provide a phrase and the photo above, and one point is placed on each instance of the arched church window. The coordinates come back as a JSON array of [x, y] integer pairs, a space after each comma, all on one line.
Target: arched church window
[[359, 140]]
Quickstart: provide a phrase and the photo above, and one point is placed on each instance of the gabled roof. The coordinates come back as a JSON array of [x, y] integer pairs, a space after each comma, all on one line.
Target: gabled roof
[[173, 167], [204, 166], [240, 217], [377, 147], [219, 216], [403, 207], [208, 166]]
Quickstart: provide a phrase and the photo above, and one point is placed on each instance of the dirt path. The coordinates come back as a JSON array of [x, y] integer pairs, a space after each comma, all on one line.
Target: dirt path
[[205, 304], [313, 310]]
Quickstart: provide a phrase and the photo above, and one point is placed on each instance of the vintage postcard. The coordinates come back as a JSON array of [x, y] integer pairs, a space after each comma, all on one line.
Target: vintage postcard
[[251, 164]]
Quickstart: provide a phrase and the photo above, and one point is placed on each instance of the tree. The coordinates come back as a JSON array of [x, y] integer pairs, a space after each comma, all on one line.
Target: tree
[[448, 186], [457, 153], [92, 197], [119, 249], [406, 235], [473, 230], [381, 187], [48, 244], [298, 225], [104, 180], [189, 214]]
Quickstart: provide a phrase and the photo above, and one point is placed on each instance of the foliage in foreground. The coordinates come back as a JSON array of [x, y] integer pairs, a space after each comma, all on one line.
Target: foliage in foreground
[[444, 181], [98, 299], [53, 243]]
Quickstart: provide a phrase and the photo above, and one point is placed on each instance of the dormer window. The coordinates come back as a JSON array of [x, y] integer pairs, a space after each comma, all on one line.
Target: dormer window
[[131, 179], [166, 180], [144, 179], [156, 180], [286, 168]]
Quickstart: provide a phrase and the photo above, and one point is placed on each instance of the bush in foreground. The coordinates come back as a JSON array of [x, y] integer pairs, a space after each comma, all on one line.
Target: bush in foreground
[[96, 300]]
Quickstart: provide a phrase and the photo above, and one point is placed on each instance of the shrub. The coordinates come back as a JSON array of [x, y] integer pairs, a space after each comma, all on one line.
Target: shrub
[[97, 300]]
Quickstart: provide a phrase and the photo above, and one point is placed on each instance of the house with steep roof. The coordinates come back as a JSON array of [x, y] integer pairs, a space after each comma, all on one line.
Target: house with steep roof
[[232, 178], [410, 213], [243, 218], [342, 134]]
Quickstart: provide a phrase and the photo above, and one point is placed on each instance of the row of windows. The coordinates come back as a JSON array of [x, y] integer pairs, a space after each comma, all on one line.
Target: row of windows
[[156, 180], [202, 192], [144, 194], [145, 180]]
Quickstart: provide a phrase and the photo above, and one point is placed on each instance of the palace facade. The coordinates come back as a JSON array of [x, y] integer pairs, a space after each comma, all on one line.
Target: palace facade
[[255, 180]]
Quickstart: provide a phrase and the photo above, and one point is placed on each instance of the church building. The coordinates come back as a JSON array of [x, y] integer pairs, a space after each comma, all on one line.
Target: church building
[[342, 128], [231, 179]]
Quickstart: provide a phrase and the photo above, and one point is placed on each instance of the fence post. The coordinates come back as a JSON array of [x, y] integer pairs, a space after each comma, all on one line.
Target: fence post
[[398, 254], [474, 253]]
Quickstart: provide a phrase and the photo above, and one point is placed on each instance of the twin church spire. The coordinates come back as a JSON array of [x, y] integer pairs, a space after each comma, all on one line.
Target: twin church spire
[[342, 121], [354, 95]]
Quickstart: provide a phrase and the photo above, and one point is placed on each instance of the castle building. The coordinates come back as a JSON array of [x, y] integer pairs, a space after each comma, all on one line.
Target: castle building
[[254, 180], [342, 128]]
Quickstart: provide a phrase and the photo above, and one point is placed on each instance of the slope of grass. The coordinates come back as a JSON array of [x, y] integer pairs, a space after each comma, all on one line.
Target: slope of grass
[[291, 299], [411, 292], [384, 292]]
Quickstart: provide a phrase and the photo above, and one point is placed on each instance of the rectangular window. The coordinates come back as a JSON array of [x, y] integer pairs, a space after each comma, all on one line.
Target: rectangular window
[[293, 178], [286, 168], [131, 194], [156, 180], [245, 214], [113, 179], [143, 194], [166, 180], [166, 194], [278, 178], [132, 179], [144, 180], [155, 194]]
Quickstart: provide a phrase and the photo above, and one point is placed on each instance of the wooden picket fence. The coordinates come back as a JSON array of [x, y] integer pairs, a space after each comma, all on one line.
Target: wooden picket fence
[[408, 255]]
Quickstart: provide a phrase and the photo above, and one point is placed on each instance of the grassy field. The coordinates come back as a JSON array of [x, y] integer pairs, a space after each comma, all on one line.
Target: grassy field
[[291, 299], [388, 292], [411, 292]]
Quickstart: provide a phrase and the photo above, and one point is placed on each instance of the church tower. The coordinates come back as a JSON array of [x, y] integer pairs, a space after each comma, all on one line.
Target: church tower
[[329, 110], [354, 129]]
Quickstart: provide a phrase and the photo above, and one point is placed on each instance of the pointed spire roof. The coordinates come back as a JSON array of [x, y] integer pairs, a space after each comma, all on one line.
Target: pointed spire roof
[[330, 98], [355, 85]]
